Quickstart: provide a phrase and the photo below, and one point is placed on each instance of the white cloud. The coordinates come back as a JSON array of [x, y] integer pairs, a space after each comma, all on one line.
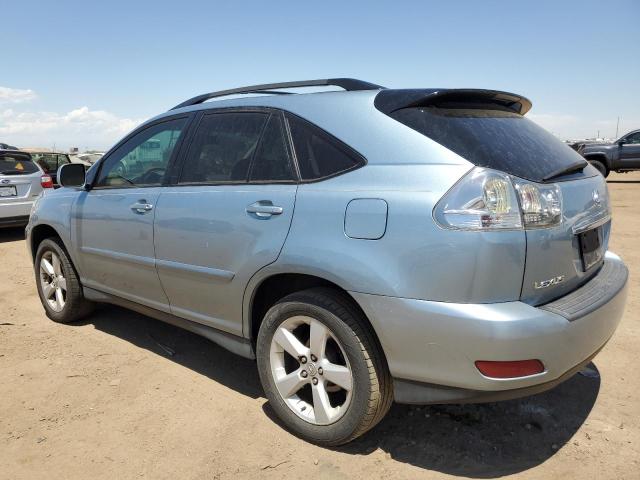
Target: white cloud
[[16, 95], [81, 127]]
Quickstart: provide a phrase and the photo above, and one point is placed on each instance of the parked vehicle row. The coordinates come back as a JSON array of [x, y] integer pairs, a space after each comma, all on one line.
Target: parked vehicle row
[[365, 246]]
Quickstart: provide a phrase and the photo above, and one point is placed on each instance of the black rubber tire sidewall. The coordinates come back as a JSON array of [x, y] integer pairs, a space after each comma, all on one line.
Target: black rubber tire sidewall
[[76, 306], [344, 428]]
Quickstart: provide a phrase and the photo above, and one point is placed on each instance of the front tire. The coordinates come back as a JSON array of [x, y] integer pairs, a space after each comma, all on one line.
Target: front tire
[[321, 368], [601, 167], [58, 284]]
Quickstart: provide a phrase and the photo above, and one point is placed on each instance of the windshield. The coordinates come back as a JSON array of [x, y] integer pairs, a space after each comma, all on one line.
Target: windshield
[[16, 164], [496, 139]]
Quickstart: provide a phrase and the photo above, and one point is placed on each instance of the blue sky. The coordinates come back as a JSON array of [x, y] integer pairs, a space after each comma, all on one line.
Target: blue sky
[[84, 73]]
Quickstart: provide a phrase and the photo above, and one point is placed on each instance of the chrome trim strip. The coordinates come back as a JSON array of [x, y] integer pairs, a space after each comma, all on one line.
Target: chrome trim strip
[[120, 257], [216, 273], [583, 228]]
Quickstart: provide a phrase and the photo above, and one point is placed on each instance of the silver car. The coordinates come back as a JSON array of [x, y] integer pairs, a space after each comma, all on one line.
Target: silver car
[[21, 181], [364, 246]]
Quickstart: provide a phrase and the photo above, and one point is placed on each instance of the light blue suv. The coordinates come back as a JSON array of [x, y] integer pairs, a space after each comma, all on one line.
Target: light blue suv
[[365, 246]]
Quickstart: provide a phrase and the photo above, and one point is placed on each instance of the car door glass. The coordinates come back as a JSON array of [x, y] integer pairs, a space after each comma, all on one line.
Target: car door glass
[[222, 147], [271, 161], [63, 160], [47, 161], [633, 139], [318, 155], [143, 159]]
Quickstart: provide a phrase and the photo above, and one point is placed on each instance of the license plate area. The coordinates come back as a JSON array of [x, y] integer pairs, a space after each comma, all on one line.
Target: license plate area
[[9, 191], [591, 250]]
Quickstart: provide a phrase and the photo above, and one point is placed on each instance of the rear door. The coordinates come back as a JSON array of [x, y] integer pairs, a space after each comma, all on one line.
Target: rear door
[[227, 215], [113, 222], [630, 151]]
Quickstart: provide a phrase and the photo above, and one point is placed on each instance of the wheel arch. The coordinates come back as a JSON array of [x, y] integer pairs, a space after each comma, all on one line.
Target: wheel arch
[[600, 157], [41, 232], [272, 287]]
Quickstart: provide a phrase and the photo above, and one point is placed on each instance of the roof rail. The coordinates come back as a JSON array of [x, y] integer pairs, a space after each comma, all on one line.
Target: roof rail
[[348, 84]]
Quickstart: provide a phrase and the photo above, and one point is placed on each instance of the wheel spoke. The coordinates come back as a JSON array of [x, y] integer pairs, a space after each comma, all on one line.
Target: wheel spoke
[[290, 343], [290, 383], [62, 283], [56, 264], [59, 298], [318, 338], [48, 290], [322, 409], [338, 374], [47, 267]]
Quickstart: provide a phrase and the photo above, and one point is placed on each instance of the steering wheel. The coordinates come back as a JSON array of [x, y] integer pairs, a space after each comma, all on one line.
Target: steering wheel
[[153, 175]]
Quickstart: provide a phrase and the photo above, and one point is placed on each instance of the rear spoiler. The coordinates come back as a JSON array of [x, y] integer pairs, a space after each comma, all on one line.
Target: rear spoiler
[[388, 101]]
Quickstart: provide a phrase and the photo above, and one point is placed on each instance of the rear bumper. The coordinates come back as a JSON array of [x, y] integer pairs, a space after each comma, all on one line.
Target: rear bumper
[[15, 213], [431, 347], [8, 222]]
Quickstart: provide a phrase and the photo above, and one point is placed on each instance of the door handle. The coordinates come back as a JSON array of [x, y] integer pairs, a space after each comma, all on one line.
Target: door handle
[[264, 209], [142, 207]]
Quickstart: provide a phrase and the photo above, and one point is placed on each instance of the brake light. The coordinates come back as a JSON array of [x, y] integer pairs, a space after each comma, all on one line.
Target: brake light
[[514, 369], [46, 181]]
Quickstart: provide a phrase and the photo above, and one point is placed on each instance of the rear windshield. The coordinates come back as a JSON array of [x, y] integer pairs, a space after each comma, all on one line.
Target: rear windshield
[[16, 164], [496, 139]]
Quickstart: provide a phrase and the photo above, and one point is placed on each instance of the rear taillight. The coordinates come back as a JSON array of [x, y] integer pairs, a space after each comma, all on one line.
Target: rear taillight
[[510, 369], [46, 181], [487, 199]]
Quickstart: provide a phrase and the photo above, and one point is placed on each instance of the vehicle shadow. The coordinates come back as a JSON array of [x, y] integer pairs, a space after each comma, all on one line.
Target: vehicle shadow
[[485, 440], [11, 234], [479, 441], [185, 348]]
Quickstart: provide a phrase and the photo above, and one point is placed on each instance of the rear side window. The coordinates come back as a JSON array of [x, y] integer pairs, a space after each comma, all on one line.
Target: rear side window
[[320, 155], [48, 161], [496, 139], [223, 147], [16, 164], [271, 162]]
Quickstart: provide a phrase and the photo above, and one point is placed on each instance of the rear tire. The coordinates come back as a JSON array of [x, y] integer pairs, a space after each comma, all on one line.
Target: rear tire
[[601, 167], [58, 284], [353, 392]]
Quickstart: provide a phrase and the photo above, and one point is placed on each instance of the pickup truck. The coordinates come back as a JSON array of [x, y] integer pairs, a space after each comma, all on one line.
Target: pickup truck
[[623, 155]]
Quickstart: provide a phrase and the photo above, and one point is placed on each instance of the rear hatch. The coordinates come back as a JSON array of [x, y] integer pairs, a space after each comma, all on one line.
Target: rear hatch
[[19, 177], [488, 129]]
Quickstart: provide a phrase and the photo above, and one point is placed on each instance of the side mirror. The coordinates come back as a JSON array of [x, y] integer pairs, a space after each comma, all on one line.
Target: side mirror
[[621, 142], [71, 175]]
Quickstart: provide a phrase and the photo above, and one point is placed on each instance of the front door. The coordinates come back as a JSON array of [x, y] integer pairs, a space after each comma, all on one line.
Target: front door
[[113, 222], [227, 216], [630, 151]]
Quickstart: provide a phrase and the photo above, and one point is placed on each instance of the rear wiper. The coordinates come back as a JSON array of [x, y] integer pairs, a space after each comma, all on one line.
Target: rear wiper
[[574, 167]]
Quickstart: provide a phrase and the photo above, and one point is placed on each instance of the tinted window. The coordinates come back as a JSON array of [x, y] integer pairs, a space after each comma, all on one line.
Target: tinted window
[[318, 154], [271, 161], [633, 138], [48, 161], [222, 148], [492, 138], [143, 159], [16, 164], [63, 160]]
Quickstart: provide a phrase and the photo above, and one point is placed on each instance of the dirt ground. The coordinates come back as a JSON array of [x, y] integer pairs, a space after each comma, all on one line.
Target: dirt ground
[[122, 396]]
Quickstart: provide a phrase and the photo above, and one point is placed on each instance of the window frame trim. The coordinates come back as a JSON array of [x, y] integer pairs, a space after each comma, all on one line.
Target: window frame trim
[[175, 182], [175, 155], [339, 144]]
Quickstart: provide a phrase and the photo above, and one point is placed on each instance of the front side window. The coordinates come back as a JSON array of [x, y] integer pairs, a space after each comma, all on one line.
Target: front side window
[[223, 147], [144, 158], [634, 138], [318, 154]]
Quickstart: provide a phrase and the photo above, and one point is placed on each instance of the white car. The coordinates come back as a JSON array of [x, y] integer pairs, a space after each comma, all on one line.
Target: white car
[[21, 182]]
